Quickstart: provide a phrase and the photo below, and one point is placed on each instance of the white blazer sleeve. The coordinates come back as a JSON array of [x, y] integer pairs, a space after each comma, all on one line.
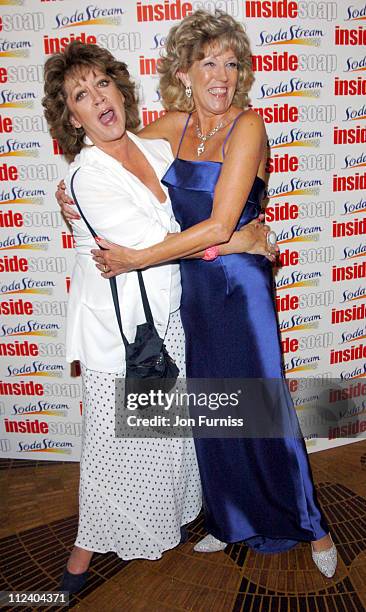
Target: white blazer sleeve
[[113, 212]]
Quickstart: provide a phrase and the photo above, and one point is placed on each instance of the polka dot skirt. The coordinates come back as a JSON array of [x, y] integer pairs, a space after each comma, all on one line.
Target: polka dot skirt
[[134, 493]]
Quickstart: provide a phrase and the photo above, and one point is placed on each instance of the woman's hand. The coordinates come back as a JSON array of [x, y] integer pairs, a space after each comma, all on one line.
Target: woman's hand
[[66, 203], [112, 259], [252, 238]]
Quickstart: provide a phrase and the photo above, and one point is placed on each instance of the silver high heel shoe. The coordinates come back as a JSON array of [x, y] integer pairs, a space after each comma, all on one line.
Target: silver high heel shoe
[[209, 544], [326, 560]]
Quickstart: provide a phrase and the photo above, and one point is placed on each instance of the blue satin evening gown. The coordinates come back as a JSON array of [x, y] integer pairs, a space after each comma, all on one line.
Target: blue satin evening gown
[[257, 490]]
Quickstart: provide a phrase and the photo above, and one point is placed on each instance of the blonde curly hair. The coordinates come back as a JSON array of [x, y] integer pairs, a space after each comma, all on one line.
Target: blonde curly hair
[[188, 41]]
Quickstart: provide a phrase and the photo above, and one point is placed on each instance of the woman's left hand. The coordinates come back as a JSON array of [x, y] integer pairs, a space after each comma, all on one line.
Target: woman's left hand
[[112, 259]]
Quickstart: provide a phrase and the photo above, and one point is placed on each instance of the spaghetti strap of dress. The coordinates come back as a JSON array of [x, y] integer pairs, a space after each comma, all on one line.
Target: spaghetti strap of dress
[[229, 132], [184, 131]]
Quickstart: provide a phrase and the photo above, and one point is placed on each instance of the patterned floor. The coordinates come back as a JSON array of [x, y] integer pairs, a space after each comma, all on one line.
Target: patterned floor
[[38, 525]]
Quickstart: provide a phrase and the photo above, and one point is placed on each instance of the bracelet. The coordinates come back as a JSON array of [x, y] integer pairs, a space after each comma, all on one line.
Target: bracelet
[[211, 253]]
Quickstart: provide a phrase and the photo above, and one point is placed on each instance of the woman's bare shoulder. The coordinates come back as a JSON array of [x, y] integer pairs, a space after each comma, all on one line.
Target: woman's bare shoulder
[[251, 119], [249, 133], [165, 127]]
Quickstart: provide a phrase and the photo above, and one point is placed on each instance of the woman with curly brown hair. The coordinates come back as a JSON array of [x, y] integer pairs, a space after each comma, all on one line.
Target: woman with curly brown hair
[[257, 490], [135, 494]]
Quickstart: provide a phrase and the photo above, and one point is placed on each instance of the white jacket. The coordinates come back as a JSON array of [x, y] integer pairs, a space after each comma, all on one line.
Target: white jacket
[[121, 209]]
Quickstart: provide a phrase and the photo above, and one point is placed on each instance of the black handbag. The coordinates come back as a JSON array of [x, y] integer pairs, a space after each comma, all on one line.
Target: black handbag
[[148, 363]]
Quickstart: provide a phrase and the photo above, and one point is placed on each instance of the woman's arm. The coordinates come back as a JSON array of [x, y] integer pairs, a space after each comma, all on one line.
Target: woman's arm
[[252, 238], [245, 152], [249, 239]]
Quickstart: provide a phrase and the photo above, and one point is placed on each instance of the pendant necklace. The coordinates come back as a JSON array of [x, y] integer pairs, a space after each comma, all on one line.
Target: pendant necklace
[[204, 137]]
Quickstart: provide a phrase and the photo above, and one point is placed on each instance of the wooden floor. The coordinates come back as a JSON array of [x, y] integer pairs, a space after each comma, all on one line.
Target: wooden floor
[[38, 526]]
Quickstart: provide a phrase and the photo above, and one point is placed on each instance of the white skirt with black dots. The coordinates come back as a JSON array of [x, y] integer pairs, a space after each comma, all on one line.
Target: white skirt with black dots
[[134, 493]]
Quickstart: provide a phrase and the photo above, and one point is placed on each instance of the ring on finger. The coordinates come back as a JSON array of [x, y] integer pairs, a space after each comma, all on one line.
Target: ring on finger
[[271, 239], [105, 268]]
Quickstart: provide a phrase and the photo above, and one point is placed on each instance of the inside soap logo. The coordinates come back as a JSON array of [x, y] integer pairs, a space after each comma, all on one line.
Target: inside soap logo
[[294, 88], [288, 9], [354, 182], [169, 10], [91, 15], [355, 13], [12, 48], [294, 35], [19, 22]]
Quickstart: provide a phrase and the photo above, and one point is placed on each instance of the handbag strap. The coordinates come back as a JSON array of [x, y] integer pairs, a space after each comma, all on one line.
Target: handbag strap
[[112, 281]]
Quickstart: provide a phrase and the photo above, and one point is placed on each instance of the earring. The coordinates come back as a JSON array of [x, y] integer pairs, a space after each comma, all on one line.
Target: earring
[[75, 133], [189, 91]]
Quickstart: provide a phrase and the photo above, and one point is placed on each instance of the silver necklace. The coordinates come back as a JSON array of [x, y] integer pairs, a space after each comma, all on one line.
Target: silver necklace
[[204, 137]]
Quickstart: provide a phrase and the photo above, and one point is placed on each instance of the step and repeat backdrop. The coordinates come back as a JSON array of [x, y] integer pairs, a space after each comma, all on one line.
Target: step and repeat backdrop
[[309, 60]]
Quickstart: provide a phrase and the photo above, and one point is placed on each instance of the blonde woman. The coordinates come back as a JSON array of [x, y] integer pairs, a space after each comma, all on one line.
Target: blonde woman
[[257, 490]]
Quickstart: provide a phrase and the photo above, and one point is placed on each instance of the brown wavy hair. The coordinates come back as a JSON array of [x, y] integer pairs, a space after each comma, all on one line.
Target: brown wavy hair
[[80, 58], [187, 43]]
